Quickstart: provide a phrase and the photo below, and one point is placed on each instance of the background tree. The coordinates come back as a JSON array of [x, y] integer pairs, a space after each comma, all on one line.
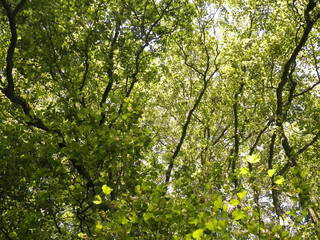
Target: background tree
[[159, 119]]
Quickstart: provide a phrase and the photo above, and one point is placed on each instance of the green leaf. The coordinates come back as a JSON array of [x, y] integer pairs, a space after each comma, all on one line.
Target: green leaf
[[294, 170], [106, 190], [217, 204], [252, 158], [133, 218], [150, 207], [234, 202], [304, 212], [305, 186], [194, 221], [279, 180], [147, 216], [225, 207], [27, 118], [137, 189], [211, 225], [276, 228], [244, 171], [241, 194], [271, 172], [284, 234], [97, 200], [223, 224], [197, 234], [124, 220], [145, 186], [238, 215], [99, 226]]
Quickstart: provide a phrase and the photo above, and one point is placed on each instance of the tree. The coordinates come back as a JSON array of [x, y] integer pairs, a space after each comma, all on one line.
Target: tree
[[139, 119]]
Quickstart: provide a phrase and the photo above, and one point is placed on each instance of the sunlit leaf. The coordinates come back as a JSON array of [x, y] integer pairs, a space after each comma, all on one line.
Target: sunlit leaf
[[137, 189], [241, 194], [279, 180], [271, 172], [238, 215], [211, 225], [244, 171], [106, 190], [252, 158], [234, 202], [97, 200], [197, 234]]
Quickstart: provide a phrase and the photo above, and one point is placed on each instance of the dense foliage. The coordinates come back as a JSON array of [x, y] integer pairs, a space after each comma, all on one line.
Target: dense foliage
[[159, 119]]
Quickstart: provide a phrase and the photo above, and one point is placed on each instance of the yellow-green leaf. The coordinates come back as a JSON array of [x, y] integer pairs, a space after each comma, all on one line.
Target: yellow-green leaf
[[271, 172], [284, 234], [244, 171], [211, 225], [138, 189], [97, 200], [197, 234], [238, 214], [241, 194], [234, 202], [106, 190], [252, 158], [279, 180], [99, 226], [225, 207]]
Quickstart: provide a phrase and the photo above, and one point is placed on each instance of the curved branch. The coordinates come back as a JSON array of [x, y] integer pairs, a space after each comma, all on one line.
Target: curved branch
[[184, 129], [9, 90], [184, 133], [286, 69], [315, 138], [110, 70]]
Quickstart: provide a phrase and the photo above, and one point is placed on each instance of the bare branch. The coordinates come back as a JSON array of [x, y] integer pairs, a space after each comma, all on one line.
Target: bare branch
[[309, 144], [184, 132]]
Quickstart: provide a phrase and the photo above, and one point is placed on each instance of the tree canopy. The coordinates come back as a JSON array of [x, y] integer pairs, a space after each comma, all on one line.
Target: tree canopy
[[159, 119]]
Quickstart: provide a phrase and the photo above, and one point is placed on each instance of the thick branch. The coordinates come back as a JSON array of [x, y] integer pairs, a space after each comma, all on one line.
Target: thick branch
[[275, 198], [110, 70], [292, 162], [236, 135], [111, 64], [315, 138], [280, 114], [13, 42], [220, 136], [257, 141], [292, 59], [9, 90], [314, 215], [184, 132]]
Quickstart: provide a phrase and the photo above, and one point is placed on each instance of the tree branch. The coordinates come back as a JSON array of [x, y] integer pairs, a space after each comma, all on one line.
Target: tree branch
[[9, 90], [236, 135], [110, 70], [280, 114], [184, 132], [315, 138]]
